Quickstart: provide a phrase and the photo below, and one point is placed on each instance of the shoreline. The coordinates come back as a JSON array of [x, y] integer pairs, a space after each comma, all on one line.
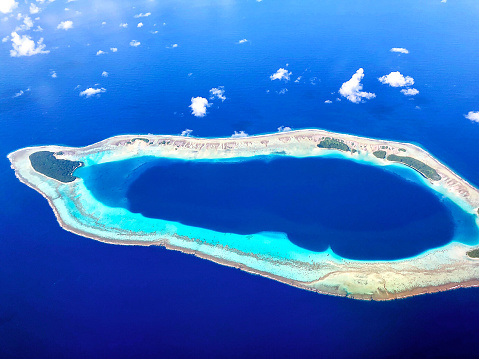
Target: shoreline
[[339, 281]]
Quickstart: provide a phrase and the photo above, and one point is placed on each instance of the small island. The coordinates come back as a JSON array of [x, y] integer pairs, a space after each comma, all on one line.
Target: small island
[[50, 171]]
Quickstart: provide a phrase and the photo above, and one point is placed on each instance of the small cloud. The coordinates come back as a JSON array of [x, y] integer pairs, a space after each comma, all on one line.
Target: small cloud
[[328, 101], [140, 24], [38, 29], [135, 43], [352, 89], [27, 23], [186, 132], [396, 79], [7, 6], [113, 49], [100, 52], [142, 15], [104, 74], [217, 92], [444, 1], [281, 74], [6, 38], [410, 92], [65, 25], [89, 92], [239, 134], [473, 116], [103, 23], [25, 46], [124, 25], [18, 94], [282, 91], [298, 79], [34, 9], [242, 41], [53, 74], [284, 129], [198, 106], [400, 50]]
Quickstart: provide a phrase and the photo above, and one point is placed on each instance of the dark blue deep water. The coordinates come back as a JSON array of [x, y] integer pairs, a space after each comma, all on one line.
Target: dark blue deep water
[[64, 296], [360, 211]]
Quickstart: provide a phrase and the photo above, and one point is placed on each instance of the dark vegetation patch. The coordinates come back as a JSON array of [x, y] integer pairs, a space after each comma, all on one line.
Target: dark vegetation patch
[[380, 154], [332, 143], [45, 163], [419, 166], [474, 253]]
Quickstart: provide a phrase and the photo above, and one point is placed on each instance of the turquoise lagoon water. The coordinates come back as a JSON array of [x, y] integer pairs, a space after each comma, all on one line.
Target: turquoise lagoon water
[[359, 211]]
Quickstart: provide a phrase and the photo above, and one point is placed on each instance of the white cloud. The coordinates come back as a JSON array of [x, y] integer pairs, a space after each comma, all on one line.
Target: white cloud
[[473, 116], [65, 25], [68, 1], [198, 106], [135, 43], [104, 74], [444, 1], [186, 132], [396, 79], [140, 24], [6, 38], [38, 29], [25, 46], [351, 89], [142, 15], [7, 6], [284, 129], [27, 23], [281, 74], [89, 92], [400, 50], [34, 9], [239, 134], [113, 49], [242, 41], [282, 91], [100, 52], [410, 92], [53, 74], [217, 92], [124, 25], [328, 101]]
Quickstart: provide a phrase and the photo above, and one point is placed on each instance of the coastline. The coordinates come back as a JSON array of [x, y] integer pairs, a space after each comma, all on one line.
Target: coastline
[[437, 270]]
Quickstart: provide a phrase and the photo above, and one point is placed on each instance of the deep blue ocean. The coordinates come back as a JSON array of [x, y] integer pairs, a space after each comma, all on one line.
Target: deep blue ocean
[[62, 295]]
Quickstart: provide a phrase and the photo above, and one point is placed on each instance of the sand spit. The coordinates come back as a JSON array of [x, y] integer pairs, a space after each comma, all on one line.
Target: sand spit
[[77, 211]]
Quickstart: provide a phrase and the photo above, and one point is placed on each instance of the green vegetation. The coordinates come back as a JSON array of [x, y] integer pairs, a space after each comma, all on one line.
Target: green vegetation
[[138, 139], [419, 166], [334, 143], [380, 154], [45, 163], [474, 253], [402, 149]]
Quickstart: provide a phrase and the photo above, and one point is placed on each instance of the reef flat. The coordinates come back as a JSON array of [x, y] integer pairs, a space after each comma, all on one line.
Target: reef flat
[[275, 257]]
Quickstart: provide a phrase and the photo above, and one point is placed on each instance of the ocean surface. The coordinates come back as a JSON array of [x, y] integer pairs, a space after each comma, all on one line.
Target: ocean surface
[[62, 295]]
